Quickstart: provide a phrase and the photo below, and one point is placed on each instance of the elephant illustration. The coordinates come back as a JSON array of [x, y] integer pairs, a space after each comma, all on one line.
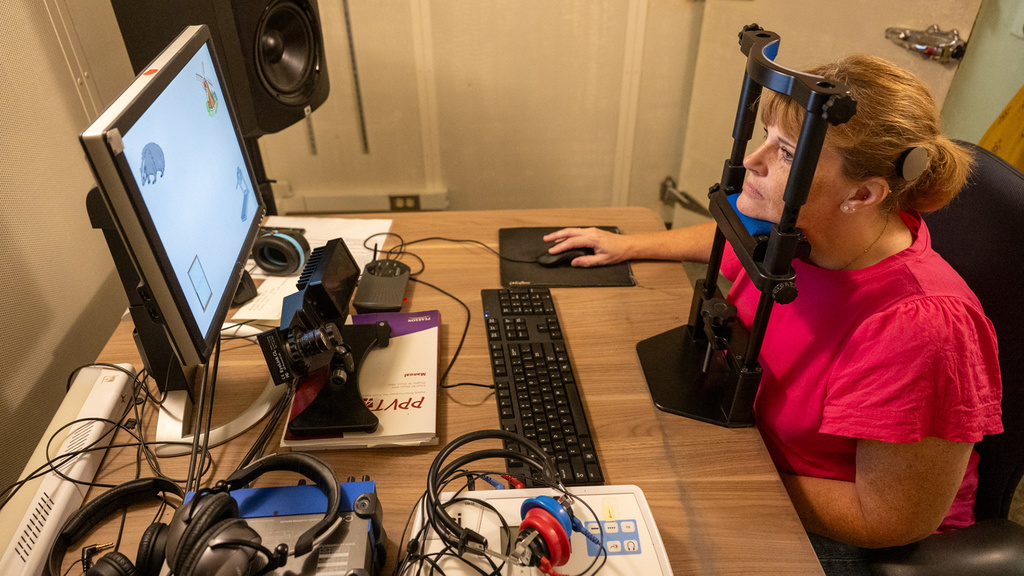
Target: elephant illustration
[[152, 163]]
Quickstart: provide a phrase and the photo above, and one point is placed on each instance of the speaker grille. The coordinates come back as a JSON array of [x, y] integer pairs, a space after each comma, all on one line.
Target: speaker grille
[[287, 52]]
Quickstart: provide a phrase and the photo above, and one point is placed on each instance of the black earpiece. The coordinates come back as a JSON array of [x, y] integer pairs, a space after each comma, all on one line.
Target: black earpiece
[[912, 163], [206, 536], [463, 539], [281, 251], [150, 557]]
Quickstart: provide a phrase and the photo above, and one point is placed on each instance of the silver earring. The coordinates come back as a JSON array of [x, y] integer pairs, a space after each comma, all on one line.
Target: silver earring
[[846, 208]]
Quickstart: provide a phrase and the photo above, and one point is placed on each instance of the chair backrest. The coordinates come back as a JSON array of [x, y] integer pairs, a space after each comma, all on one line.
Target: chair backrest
[[981, 234]]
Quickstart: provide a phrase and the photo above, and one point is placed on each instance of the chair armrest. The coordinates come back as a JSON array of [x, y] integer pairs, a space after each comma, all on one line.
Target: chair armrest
[[992, 547]]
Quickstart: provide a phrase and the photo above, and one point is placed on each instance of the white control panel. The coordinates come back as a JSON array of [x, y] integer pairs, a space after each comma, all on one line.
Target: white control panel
[[618, 514]]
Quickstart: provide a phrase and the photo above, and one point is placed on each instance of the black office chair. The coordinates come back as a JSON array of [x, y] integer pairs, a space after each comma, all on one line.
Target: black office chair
[[981, 234]]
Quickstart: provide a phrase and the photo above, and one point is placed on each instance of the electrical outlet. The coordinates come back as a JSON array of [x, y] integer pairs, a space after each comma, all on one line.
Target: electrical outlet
[[404, 203]]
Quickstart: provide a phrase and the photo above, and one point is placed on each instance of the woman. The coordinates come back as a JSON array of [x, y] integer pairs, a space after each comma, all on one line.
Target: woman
[[883, 373]]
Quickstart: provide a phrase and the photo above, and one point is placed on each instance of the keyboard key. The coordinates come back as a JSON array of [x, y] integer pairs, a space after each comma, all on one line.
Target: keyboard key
[[537, 394]]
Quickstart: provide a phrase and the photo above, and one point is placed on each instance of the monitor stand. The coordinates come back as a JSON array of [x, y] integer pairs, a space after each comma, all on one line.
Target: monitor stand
[[173, 424], [158, 356]]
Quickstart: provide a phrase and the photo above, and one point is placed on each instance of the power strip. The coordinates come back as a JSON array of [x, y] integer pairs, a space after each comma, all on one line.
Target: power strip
[[31, 520]]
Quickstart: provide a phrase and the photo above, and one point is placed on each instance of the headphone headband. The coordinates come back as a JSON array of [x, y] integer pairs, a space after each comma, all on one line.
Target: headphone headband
[[444, 525], [306, 465], [213, 502], [88, 516]]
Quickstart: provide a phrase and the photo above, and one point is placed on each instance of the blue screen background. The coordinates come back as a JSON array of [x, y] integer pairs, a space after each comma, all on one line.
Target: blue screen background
[[188, 164]]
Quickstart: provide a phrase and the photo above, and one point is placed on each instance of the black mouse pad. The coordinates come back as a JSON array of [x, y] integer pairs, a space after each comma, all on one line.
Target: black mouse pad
[[527, 244]]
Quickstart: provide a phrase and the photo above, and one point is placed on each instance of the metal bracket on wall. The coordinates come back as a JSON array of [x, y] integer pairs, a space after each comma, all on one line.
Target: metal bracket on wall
[[309, 131], [933, 43], [668, 193]]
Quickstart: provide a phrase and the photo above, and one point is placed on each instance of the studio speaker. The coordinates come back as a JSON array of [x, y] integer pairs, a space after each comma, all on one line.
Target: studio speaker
[[272, 51]]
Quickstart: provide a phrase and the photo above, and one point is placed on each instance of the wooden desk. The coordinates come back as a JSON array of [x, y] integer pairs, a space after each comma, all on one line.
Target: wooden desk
[[719, 504]]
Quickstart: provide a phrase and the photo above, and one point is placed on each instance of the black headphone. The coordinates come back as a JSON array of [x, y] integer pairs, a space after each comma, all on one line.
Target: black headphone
[[546, 525], [150, 556], [206, 534], [281, 251]]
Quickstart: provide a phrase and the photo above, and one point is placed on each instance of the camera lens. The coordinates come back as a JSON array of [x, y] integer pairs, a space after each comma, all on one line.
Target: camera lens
[[316, 341]]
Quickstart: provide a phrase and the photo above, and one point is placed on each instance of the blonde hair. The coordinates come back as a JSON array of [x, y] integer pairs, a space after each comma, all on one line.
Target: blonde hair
[[895, 112]]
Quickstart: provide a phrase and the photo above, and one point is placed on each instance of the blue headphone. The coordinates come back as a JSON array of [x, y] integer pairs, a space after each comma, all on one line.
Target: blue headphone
[[281, 251], [546, 523]]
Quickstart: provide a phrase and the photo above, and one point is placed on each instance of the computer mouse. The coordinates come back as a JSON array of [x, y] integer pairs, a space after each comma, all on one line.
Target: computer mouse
[[549, 260]]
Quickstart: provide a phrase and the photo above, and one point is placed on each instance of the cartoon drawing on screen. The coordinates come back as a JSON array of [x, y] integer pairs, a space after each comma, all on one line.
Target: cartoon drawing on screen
[[152, 163], [211, 96], [199, 282], [245, 193]]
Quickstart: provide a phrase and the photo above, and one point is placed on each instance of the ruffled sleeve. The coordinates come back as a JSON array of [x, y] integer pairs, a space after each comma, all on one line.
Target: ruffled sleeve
[[925, 367]]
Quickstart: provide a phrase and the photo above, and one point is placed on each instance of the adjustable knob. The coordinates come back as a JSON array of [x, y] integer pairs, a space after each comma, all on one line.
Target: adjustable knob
[[838, 109], [784, 292], [718, 311]]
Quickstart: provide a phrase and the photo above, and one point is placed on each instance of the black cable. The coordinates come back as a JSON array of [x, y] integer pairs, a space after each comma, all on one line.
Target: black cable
[[140, 409], [400, 250], [260, 444], [114, 425], [419, 536], [403, 244], [53, 464], [73, 564], [596, 564], [209, 412], [190, 483], [462, 340], [193, 482]]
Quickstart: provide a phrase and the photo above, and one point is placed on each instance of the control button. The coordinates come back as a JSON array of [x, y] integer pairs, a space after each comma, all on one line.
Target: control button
[[611, 528], [613, 546], [628, 526], [631, 545]]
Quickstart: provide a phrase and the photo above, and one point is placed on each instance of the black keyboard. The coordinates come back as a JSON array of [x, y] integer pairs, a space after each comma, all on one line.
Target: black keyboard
[[534, 382]]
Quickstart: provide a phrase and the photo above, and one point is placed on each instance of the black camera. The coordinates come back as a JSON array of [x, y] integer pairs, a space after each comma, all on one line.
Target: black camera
[[313, 335], [309, 333]]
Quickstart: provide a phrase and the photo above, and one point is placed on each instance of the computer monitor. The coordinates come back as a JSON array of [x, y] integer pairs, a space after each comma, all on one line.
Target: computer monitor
[[178, 203]]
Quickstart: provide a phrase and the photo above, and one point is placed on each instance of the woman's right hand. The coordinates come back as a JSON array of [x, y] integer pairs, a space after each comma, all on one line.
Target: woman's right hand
[[609, 248]]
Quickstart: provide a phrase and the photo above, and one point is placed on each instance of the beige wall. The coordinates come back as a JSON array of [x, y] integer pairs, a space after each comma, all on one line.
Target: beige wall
[[992, 71], [59, 297], [499, 104]]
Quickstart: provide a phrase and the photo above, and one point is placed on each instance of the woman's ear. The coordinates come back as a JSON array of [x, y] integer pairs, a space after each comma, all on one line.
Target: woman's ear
[[868, 193]]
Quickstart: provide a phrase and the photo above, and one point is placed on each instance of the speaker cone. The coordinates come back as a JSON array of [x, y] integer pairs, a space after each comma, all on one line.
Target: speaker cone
[[287, 53]]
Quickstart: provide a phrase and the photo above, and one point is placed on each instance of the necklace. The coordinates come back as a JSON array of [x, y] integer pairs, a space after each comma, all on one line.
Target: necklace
[[870, 246]]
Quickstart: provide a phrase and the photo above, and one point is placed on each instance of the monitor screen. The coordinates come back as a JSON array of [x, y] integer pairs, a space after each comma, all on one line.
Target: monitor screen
[[174, 173]]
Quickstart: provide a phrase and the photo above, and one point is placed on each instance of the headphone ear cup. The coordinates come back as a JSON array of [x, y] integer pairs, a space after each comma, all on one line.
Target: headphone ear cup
[[281, 253], [113, 564], [192, 520], [152, 548], [559, 511], [202, 560], [537, 547], [550, 530]]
